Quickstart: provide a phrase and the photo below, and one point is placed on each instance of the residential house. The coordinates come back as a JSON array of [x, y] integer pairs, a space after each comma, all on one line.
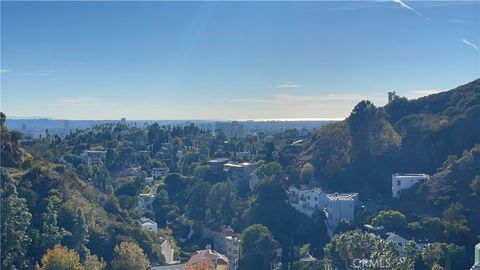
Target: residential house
[[240, 173], [207, 259], [145, 201], [303, 159], [148, 225], [340, 207], [158, 173], [94, 157], [336, 206], [306, 200], [401, 242], [216, 165], [148, 180], [168, 251], [225, 240], [402, 181]]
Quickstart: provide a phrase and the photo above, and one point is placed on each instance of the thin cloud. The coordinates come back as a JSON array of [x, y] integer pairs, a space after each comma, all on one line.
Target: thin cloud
[[403, 5], [40, 73], [4, 70], [422, 93], [468, 43], [288, 84], [457, 21], [80, 101], [283, 99]]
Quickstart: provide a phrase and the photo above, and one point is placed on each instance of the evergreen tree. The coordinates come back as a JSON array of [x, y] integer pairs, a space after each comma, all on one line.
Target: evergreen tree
[[52, 234], [15, 223], [80, 235]]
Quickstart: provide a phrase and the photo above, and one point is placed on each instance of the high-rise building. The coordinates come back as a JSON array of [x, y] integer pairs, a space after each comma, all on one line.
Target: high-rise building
[[230, 129], [66, 125]]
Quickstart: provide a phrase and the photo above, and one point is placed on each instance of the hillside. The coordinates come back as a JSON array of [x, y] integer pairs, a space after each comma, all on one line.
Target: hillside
[[439, 135], [361, 152], [55, 205]]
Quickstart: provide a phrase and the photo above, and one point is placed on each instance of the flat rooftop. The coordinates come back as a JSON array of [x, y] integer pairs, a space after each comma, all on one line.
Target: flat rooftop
[[238, 165], [342, 196], [410, 174], [218, 160]]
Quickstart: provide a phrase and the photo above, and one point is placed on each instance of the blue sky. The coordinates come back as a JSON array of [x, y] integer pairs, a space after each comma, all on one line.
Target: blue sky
[[229, 60]]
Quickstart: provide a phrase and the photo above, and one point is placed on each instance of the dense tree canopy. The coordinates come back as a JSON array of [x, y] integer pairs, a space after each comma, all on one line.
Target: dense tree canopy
[[60, 258], [128, 255], [258, 247]]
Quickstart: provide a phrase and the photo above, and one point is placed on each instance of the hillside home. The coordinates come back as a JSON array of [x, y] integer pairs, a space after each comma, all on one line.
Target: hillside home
[[303, 159], [158, 173], [240, 173], [216, 165], [94, 157], [401, 242], [225, 240], [167, 251], [306, 200], [207, 259], [402, 181], [148, 225], [148, 180], [340, 207], [145, 201]]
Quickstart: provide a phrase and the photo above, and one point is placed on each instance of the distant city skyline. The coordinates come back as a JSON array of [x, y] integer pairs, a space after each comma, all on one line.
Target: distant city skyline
[[229, 60]]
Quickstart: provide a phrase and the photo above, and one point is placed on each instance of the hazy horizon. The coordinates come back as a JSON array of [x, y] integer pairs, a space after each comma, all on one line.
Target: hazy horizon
[[14, 117]]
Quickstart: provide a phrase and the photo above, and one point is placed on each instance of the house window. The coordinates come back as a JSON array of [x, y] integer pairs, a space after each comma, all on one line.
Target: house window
[[316, 198], [308, 197], [398, 182]]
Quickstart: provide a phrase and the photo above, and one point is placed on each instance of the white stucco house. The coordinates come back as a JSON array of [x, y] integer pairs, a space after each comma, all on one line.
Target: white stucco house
[[336, 206], [340, 207], [148, 224], [402, 181], [225, 240], [306, 200], [168, 251]]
